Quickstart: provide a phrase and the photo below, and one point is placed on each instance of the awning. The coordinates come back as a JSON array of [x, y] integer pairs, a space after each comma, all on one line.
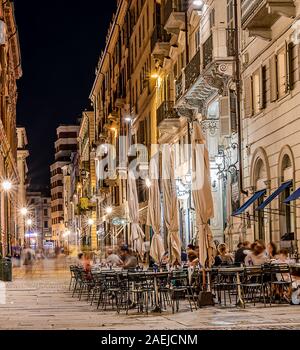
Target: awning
[[293, 196], [275, 194], [249, 202]]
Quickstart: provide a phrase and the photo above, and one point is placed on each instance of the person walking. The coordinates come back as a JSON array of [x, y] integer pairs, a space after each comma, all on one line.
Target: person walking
[[29, 257]]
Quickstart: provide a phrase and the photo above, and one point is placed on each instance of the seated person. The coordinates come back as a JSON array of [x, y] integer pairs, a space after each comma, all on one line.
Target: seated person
[[113, 258], [129, 260], [193, 259], [223, 257], [257, 255]]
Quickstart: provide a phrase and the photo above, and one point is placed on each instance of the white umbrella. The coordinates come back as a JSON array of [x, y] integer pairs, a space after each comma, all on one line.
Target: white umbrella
[[157, 249], [171, 205], [202, 196], [137, 234]]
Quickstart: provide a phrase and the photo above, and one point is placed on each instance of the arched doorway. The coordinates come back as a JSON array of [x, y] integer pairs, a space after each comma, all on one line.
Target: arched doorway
[[260, 183]]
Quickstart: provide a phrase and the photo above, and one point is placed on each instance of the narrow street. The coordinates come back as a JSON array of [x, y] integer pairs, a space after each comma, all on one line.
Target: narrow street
[[42, 302]]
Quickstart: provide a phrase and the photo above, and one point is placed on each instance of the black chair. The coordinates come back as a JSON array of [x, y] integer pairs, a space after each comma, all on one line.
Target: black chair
[[281, 283], [141, 288], [73, 276], [253, 285], [225, 286], [179, 289]]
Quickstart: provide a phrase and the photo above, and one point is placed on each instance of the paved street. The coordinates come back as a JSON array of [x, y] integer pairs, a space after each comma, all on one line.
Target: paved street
[[42, 301]]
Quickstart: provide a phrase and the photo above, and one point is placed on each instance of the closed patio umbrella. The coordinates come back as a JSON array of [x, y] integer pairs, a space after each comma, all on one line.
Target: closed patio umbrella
[[157, 249], [137, 234], [202, 196], [171, 205]]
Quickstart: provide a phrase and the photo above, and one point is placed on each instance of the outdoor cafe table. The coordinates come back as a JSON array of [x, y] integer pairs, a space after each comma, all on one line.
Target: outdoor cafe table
[[153, 274]]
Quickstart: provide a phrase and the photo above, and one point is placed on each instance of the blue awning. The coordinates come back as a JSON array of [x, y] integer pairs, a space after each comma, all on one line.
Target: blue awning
[[249, 202], [275, 194], [293, 196]]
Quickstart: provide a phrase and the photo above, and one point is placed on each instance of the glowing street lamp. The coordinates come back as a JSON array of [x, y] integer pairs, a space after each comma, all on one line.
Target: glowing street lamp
[[6, 185], [109, 210], [24, 211], [29, 222], [91, 222]]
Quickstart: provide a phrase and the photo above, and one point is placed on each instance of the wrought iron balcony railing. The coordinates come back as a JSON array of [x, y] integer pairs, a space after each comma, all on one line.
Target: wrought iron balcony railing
[[159, 35], [192, 70], [179, 87], [208, 51], [166, 111], [174, 6]]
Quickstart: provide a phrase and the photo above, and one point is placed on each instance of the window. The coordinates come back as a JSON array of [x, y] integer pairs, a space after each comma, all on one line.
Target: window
[[256, 91], [45, 212], [281, 72], [197, 40], [46, 224]]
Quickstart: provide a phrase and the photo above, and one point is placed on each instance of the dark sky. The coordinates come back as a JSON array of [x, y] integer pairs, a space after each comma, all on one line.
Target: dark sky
[[61, 41]]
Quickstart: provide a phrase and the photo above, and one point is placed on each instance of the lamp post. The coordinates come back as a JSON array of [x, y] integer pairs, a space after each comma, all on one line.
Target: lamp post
[[24, 212]]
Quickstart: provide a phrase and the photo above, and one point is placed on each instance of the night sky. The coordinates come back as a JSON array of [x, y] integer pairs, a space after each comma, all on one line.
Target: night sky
[[61, 41]]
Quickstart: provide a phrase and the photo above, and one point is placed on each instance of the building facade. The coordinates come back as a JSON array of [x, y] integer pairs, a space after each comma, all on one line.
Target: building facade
[[22, 155], [65, 144], [38, 234], [231, 65], [270, 76], [11, 71]]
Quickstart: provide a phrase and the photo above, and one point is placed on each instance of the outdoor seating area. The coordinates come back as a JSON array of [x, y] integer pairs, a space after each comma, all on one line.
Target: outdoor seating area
[[145, 291]]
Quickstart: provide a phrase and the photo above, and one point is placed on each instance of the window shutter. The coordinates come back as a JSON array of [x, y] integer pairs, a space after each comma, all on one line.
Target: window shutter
[[289, 70], [273, 79], [262, 87], [248, 102]]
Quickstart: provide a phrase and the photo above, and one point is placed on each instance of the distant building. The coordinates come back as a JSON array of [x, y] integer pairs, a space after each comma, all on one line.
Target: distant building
[[39, 232], [65, 145], [22, 154]]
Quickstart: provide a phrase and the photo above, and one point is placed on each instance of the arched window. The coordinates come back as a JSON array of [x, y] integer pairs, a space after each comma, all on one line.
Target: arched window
[[287, 212]]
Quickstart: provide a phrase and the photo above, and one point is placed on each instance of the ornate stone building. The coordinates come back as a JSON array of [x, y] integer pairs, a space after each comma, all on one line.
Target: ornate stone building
[[10, 72]]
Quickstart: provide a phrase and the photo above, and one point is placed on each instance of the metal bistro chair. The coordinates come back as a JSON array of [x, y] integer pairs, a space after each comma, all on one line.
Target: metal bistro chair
[[141, 288], [225, 286], [111, 291], [87, 284], [253, 285], [281, 283], [179, 288], [77, 276], [73, 276]]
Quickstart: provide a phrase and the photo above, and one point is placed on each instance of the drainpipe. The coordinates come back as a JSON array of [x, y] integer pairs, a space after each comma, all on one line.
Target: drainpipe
[[238, 95]]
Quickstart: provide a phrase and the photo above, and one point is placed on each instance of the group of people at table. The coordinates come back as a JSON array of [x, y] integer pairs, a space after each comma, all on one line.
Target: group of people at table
[[247, 254]]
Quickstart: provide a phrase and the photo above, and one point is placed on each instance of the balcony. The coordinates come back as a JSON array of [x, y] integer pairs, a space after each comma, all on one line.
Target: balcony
[[192, 70], [174, 15], [167, 117], [208, 51], [258, 16], [160, 42], [179, 87]]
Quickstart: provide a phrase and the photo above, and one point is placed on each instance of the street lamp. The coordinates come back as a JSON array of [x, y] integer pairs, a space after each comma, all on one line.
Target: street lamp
[[109, 210], [24, 212]]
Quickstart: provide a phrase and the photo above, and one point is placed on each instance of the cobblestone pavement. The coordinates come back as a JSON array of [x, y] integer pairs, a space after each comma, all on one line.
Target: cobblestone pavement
[[41, 301]]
